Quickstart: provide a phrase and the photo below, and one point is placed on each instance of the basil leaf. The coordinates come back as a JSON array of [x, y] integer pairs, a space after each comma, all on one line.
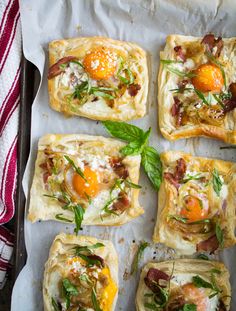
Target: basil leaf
[[60, 217], [123, 131], [199, 282], [55, 305], [217, 183], [219, 235], [88, 249], [90, 261], [133, 148], [152, 165], [202, 256], [138, 256], [79, 216], [95, 301], [189, 307], [76, 168], [131, 185]]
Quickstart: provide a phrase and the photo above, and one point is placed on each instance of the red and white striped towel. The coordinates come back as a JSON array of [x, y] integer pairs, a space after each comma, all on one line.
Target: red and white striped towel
[[6, 248], [10, 57]]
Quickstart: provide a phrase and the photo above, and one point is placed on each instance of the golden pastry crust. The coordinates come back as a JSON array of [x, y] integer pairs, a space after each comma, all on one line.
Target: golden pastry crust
[[226, 131], [93, 148], [170, 201], [187, 267], [125, 107], [55, 267]]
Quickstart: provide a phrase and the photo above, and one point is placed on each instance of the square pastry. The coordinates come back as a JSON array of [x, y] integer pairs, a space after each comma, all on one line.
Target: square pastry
[[77, 174], [184, 284], [196, 204], [197, 88], [98, 78], [81, 274]]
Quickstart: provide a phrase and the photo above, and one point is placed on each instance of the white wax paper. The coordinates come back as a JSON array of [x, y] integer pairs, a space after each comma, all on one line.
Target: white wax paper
[[147, 23]]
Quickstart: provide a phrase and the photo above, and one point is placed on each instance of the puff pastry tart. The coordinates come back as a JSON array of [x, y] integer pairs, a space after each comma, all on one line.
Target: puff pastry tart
[[80, 274], [196, 207], [184, 284], [85, 174], [98, 78], [197, 88]]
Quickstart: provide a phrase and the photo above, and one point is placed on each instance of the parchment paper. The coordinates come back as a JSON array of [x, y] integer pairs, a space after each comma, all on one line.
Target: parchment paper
[[147, 23]]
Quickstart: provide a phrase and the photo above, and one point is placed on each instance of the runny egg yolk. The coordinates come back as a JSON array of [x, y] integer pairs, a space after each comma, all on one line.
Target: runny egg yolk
[[108, 292], [208, 78], [194, 295], [87, 186], [100, 63], [193, 209]]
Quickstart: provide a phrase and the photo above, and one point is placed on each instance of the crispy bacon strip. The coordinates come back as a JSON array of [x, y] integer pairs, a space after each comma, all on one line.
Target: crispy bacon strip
[[210, 42], [153, 278], [56, 69], [133, 89], [121, 204], [209, 245], [176, 111], [176, 177], [229, 105], [119, 168], [232, 89], [179, 52]]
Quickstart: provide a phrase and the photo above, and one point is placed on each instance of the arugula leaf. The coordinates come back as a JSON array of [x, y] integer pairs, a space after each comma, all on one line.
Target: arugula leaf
[[123, 131], [152, 165], [132, 185], [76, 168], [95, 301], [60, 217], [217, 183], [68, 290], [55, 305], [79, 216], [138, 256], [199, 282], [219, 235], [88, 248], [202, 256], [189, 307]]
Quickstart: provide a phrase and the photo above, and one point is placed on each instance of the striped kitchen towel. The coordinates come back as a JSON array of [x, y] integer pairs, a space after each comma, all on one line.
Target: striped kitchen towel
[[6, 248], [10, 58]]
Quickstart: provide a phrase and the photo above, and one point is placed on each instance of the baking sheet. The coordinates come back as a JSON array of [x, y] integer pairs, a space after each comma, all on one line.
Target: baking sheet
[[147, 23]]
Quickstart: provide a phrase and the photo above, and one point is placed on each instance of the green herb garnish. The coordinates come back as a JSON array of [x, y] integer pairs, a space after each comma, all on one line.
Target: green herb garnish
[[202, 256], [189, 307], [228, 147], [220, 65], [199, 282], [88, 249], [60, 217], [217, 182], [138, 256], [95, 301], [167, 64], [188, 177], [90, 261], [55, 305], [127, 72], [129, 184], [76, 168], [79, 216], [138, 144], [185, 220], [68, 290], [219, 235]]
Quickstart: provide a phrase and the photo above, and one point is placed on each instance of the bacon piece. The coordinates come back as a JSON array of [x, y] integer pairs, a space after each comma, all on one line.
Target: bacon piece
[[179, 52], [171, 178], [121, 204], [182, 84], [180, 169], [209, 245], [153, 278], [176, 111], [133, 89], [221, 306], [56, 69], [232, 90], [119, 168], [98, 258], [178, 175], [210, 42], [229, 105]]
